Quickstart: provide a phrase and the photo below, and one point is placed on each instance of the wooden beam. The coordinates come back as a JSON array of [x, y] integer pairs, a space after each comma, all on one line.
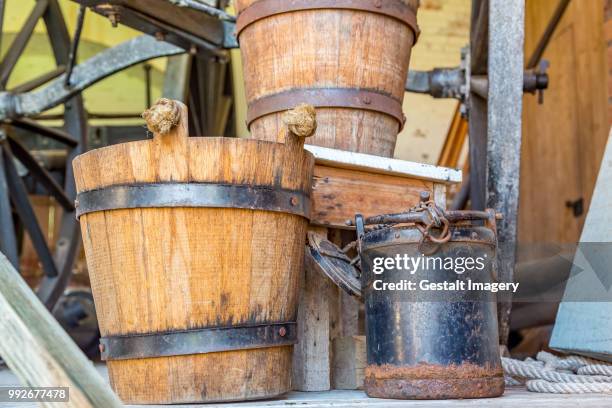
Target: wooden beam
[[504, 132], [39, 351], [349, 362], [311, 361]]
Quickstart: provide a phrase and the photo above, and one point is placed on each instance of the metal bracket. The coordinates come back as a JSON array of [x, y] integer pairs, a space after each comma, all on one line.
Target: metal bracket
[[193, 195], [457, 82], [197, 341]]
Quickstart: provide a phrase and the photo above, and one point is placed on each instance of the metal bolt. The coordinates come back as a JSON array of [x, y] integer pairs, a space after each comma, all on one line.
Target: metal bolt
[[282, 332], [367, 100], [425, 196], [160, 36], [293, 201], [378, 3]]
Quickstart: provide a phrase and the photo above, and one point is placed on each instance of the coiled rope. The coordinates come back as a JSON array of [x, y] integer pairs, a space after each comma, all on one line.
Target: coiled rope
[[560, 375]]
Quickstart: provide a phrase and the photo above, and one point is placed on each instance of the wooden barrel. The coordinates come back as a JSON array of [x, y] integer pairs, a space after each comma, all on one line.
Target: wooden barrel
[[348, 58], [194, 248]]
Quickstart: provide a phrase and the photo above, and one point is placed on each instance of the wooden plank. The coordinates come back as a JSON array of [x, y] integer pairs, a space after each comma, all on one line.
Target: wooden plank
[[349, 362], [311, 364], [565, 137], [39, 351], [455, 141], [504, 107], [382, 165], [338, 194], [583, 321], [514, 397]]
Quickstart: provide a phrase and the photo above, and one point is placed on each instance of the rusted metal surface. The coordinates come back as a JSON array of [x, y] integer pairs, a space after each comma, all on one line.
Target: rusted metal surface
[[326, 98], [391, 8], [431, 381], [424, 344]]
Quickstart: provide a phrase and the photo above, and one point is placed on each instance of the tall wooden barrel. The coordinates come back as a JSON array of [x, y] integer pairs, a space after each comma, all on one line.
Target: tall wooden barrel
[[348, 58], [194, 248]]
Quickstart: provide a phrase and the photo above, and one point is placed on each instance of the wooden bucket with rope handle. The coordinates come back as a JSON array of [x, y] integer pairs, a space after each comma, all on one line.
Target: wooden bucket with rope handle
[[195, 247]]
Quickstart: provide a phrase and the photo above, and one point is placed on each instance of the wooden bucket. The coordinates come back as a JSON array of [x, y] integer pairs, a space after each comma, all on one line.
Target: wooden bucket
[[348, 58], [195, 248]]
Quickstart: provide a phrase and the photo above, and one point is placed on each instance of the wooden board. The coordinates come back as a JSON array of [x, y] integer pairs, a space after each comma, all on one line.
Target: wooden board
[[383, 165], [514, 397], [311, 365], [338, 194], [564, 138], [349, 362], [40, 352]]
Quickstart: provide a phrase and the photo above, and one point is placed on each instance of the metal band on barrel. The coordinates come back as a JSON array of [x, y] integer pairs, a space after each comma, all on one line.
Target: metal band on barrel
[[326, 98], [265, 8], [193, 195], [197, 341]]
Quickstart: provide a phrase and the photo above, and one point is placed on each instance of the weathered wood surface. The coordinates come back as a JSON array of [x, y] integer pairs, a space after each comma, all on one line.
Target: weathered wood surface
[[346, 183], [349, 362], [40, 352], [514, 397], [311, 357], [329, 48], [338, 194], [155, 270]]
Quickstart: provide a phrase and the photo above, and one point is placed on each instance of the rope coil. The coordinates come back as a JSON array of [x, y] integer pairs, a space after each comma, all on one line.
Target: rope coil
[[552, 374]]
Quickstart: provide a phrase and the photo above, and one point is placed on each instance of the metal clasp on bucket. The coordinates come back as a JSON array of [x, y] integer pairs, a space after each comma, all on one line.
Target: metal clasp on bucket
[[426, 216]]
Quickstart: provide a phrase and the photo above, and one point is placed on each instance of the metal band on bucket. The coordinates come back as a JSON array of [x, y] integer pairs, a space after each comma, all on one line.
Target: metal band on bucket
[[197, 341], [207, 195], [326, 98], [265, 8]]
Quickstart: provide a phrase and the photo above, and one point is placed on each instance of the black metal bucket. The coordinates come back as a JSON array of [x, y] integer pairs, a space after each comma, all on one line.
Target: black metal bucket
[[423, 343]]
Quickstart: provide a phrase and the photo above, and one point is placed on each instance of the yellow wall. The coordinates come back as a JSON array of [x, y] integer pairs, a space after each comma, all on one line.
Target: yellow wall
[[123, 92], [445, 26]]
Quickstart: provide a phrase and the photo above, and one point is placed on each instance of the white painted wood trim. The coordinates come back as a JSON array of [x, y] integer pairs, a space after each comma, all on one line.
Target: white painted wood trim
[[383, 165]]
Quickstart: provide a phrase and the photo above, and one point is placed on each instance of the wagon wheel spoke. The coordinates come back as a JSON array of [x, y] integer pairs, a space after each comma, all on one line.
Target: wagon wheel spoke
[[52, 133], [40, 174], [8, 241], [20, 42], [21, 203]]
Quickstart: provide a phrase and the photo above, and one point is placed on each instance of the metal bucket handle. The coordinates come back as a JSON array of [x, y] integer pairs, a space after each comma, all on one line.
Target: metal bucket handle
[[426, 216]]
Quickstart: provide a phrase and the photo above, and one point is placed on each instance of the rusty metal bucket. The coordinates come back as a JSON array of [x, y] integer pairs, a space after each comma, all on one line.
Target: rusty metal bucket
[[423, 343]]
